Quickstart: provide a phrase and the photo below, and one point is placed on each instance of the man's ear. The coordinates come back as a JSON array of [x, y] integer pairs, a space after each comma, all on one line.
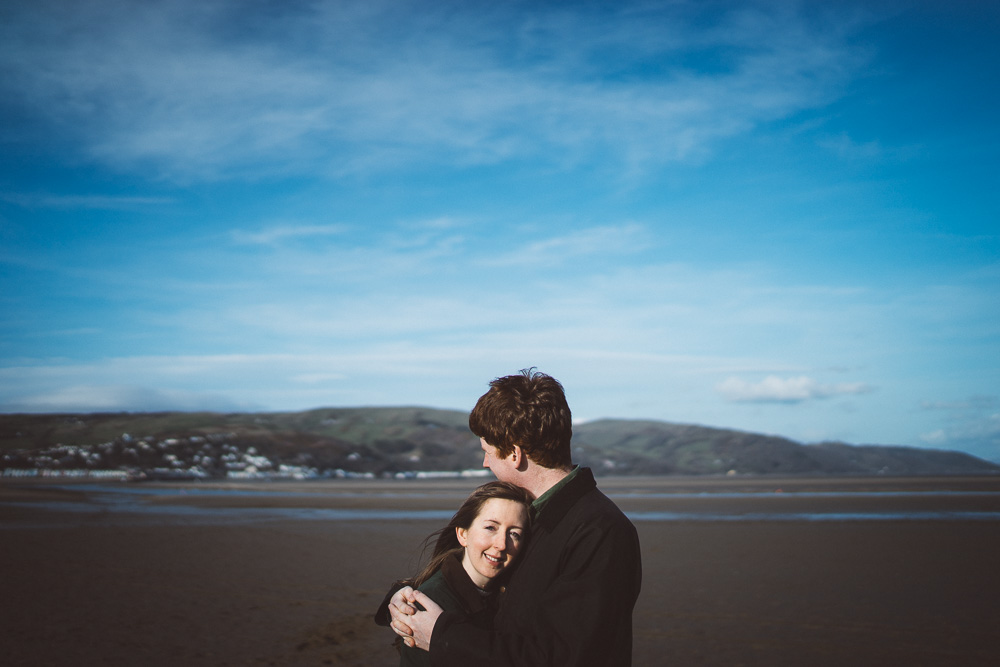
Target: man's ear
[[518, 458]]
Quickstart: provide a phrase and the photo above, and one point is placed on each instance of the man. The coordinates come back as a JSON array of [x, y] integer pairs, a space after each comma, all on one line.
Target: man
[[570, 599]]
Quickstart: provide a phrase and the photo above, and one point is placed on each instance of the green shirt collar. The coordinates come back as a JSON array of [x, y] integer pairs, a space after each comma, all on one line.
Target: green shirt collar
[[543, 499]]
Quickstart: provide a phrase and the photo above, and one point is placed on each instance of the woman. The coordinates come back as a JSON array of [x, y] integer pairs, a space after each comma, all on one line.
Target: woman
[[472, 555]]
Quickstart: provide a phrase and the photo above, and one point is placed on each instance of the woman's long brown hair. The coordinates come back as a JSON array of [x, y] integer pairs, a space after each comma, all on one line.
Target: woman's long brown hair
[[445, 540]]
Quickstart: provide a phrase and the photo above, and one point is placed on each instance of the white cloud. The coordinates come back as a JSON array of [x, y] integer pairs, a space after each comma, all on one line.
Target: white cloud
[[119, 398], [972, 425], [39, 200], [774, 389], [569, 248], [974, 404], [979, 436], [317, 378], [272, 235], [342, 88]]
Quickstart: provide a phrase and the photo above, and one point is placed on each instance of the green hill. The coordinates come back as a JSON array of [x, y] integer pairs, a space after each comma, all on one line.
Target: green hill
[[657, 448], [401, 440]]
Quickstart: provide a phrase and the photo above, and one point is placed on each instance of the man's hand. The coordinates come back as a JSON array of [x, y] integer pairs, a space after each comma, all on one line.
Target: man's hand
[[401, 610], [421, 623]]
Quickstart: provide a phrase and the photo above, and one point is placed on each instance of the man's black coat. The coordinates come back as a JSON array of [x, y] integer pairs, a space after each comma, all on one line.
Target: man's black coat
[[569, 601]]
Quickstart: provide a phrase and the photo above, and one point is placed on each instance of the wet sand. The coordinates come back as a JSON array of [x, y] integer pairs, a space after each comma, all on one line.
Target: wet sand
[[230, 584]]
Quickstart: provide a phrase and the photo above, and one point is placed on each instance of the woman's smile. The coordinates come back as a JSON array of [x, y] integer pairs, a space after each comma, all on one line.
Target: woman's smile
[[493, 540]]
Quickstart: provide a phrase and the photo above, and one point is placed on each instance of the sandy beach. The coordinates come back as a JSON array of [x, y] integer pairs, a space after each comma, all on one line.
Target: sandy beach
[[866, 571]]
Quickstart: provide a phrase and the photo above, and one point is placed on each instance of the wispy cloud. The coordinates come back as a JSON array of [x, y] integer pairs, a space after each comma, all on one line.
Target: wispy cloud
[[274, 234], [594, 242], [845, 147], [974, 404], [979, 436], [774, 389], [972, 424], [109, 202], [164, 87], [116, 398]]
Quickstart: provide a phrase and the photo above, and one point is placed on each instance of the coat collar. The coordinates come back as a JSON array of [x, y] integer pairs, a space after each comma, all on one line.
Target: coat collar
[[557, 506]]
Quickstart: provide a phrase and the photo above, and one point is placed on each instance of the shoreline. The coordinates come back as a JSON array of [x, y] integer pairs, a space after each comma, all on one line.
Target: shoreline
[[643, 499]]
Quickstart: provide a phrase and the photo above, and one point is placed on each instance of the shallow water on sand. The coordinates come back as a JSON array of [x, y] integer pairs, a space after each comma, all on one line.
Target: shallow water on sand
[[114, 503]]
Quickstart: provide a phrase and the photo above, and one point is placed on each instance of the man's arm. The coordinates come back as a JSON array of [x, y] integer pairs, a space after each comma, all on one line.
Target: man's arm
[[382, 616]]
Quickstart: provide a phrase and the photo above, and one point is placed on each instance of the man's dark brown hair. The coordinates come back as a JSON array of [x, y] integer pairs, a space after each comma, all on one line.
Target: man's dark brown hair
[[529, 410]]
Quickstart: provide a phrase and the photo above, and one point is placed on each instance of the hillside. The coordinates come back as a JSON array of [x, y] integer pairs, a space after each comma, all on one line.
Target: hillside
[[656, 448], [404, 440]]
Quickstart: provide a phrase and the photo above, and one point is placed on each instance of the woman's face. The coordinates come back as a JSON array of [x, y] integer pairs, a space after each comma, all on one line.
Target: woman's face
[[493, 540]]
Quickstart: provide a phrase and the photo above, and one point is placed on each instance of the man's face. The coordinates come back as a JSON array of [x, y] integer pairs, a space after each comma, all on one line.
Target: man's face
[[502, 469]]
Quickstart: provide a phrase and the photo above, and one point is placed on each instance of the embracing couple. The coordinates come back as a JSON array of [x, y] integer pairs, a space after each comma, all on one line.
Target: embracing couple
[[538, 568]]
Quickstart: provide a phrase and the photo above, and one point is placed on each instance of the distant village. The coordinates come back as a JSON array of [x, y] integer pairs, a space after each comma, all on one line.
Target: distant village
[[197, 457]]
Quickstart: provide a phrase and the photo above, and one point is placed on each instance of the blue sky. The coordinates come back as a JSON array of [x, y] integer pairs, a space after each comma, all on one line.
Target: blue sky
[[778, 217]]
